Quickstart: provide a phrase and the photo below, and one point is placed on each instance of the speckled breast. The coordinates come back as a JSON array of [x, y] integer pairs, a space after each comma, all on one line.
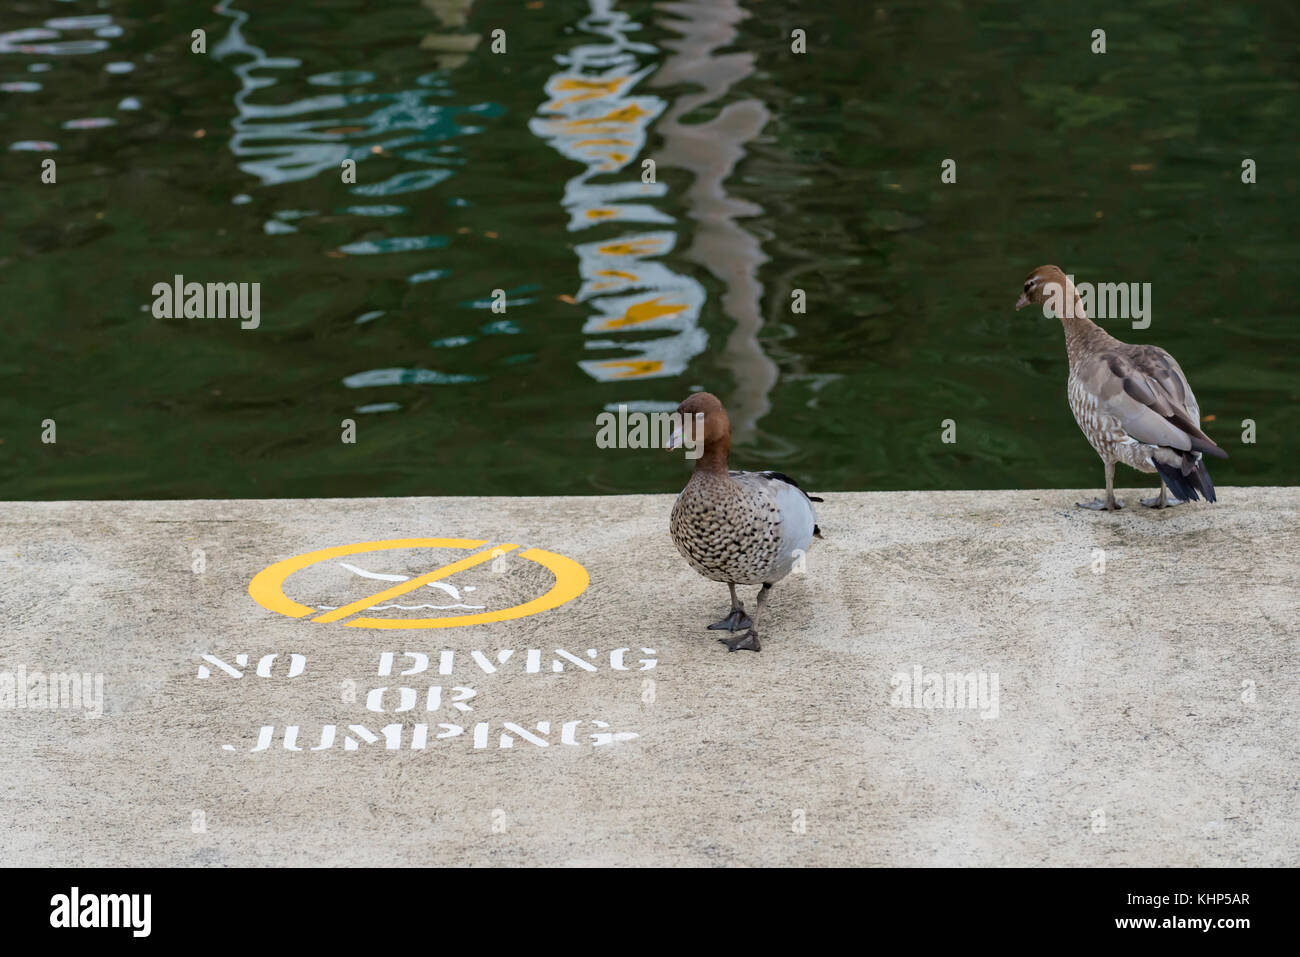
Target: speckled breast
[[726, 532], [1104, 432]]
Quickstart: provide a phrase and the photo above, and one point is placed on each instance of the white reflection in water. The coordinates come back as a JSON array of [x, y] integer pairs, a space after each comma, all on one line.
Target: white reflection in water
[[47, 40], [593, 116], [297, 140], [710, 150]]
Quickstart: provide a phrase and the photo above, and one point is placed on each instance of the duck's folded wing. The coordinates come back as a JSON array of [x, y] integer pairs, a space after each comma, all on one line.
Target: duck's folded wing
[[797, 513], [798, 519], [777, 477], [1149, 395]]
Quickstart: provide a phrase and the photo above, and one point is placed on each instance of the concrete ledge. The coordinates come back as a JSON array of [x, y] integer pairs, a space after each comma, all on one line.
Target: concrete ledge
[[1146, 710]]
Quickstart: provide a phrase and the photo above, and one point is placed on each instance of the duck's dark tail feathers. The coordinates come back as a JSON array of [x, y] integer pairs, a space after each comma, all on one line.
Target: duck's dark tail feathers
[[1187, 478]]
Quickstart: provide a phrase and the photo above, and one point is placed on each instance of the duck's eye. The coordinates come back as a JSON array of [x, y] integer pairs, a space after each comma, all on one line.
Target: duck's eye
[[1027, 285]]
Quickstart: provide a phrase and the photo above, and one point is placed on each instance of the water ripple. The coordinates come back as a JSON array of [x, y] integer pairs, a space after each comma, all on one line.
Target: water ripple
[[394, 244], [381, 377]]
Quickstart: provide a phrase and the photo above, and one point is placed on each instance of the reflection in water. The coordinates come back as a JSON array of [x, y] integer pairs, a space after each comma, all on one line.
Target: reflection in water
[[48, 40], [710, 151], [302, 148], [285, 142], [854, 214], [592, 117]]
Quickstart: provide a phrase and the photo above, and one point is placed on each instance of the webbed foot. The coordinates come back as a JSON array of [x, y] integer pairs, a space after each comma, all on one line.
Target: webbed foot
[[736, 621], [1097, 505], [1160, 501], [746, 642]]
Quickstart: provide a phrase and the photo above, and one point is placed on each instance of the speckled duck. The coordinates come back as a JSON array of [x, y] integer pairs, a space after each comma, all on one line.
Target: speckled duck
[[1132, 402], [739, 528]]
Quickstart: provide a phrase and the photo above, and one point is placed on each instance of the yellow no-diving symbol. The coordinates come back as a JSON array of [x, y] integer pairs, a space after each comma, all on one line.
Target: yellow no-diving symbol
[[267, 586]]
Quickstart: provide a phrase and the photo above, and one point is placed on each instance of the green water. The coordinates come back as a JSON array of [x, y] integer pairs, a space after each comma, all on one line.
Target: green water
[[522, 171]]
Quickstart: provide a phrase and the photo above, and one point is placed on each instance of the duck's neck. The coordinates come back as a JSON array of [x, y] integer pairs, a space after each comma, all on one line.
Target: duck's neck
[[713, 461], [1082, 335]]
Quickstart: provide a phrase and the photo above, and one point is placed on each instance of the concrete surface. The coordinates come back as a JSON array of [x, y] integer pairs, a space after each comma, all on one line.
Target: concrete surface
[[1146, 713]]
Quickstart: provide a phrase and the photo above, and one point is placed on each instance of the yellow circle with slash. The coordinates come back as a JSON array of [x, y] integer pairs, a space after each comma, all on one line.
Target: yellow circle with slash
[[267, 586]]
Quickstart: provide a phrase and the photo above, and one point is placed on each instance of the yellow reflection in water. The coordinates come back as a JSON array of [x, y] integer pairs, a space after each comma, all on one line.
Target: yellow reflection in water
[[593, 115]]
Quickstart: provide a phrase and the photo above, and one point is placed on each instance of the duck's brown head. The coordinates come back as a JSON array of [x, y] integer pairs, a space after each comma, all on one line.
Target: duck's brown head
[[1042, 285], [704, 420]]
